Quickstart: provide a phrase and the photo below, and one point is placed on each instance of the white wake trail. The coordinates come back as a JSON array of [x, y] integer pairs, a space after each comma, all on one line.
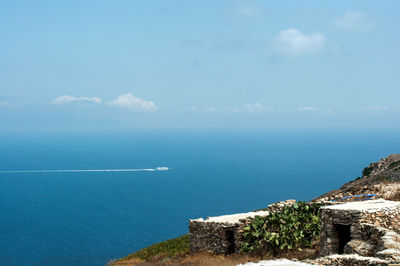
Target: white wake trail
[[161, 168]]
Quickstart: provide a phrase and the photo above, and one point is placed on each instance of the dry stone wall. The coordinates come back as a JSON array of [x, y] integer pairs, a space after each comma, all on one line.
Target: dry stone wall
[[211, 237], [329, 238], [371, 229], [219, 235], [278, 206], [223, 234], [386, 218]]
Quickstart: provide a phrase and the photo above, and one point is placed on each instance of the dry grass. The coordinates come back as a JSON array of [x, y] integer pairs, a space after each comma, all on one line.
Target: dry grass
[[203, 258], [209, 259], [192, 259]]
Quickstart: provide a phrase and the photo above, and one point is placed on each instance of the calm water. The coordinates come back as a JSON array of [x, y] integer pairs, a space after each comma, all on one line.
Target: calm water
[[88, 218]]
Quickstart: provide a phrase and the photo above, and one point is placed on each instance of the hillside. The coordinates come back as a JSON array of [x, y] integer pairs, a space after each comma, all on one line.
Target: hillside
[[380, 178]]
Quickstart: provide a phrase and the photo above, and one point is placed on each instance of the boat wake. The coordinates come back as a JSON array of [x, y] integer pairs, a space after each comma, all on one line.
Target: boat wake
[[161, 168]]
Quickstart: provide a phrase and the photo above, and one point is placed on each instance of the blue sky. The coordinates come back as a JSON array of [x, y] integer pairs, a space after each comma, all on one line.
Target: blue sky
[[111, 65]]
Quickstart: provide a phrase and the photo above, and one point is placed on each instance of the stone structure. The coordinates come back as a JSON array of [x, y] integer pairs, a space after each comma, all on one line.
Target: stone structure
[[223, 234], [357, 228], [353, 233], [219, 235], [368, 228], [278, 206]]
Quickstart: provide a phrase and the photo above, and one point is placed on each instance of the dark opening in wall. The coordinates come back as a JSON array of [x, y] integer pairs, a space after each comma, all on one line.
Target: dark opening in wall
[[230, 239], [343, 233]]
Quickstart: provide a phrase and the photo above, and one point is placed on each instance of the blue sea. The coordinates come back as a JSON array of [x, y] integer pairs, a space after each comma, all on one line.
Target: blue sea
[[90, 217]]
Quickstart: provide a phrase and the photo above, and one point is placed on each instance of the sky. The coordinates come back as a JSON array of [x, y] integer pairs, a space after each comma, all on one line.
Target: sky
[[126, 65]]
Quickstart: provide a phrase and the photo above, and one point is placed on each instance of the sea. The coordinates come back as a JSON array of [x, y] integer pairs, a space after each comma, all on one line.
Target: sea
[[86, 198]]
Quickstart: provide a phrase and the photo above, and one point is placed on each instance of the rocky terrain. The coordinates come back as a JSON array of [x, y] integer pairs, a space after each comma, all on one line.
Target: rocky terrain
[[379, 180]]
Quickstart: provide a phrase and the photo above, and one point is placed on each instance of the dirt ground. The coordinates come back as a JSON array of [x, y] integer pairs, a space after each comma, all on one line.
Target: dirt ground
[[194, 259]]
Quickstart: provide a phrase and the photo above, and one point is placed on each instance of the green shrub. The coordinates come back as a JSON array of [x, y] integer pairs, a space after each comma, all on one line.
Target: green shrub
[[367, 171], [293, 227], [169, 248], [394, 164]]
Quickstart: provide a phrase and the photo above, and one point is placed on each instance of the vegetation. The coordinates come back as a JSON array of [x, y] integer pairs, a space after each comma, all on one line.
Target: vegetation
[[358, 178], [367, 171], [169, 248], [394, 164], [292, 228]]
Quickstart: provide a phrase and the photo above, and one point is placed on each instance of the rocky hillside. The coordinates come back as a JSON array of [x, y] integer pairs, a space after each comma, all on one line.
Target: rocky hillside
[[381, 178]]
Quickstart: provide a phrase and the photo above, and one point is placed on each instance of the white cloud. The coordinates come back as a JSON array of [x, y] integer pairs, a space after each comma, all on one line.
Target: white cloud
[[248, 108], [307, 109], [130, 102], [292, 42], [69, 99], [354, 21], [205, 109], [254, 108], [233, 109]]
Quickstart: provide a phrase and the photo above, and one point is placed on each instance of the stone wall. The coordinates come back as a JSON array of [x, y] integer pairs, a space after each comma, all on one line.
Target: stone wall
[[278, 206], [329, 239], [368, 227], [375, 246], [219, 235], [212, 237], [387, 218], [239, 234], [217, 238]]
